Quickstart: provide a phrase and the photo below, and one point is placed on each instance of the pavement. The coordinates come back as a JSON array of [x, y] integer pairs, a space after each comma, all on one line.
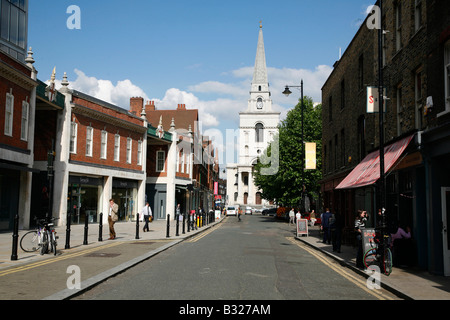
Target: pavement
[[47, 277]]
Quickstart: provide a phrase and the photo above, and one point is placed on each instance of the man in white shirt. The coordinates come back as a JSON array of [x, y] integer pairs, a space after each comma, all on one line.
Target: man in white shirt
[[146, 212]]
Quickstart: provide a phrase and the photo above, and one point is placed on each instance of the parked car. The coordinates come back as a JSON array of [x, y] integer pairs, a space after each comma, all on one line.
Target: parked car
[[232, 211], [270, 212], [248, 210]]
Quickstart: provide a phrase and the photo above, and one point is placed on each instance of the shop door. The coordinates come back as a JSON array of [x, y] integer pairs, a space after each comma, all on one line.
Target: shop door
[[445, 224]]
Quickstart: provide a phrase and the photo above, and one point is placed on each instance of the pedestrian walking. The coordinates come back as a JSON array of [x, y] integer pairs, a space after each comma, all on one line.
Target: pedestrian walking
[[360, 223], [298, 215], [291, 216], [336, 226], [325, 217], [112, 218], [146, 212]]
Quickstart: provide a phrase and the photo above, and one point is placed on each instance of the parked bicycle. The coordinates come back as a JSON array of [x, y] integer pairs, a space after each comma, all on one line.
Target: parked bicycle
[[380, 254], [40, 239]]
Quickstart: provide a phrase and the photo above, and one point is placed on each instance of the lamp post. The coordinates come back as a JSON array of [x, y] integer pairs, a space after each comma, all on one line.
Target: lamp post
[[287, 92], [382, 185]]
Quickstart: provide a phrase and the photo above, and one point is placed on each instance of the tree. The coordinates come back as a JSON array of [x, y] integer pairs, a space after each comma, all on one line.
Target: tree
[[284, 185]]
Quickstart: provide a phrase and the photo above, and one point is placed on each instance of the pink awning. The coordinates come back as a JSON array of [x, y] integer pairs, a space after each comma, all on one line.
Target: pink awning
[[368, 171]]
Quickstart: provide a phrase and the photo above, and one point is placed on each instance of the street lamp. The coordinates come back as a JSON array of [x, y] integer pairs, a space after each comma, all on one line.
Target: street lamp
[[287, 92]]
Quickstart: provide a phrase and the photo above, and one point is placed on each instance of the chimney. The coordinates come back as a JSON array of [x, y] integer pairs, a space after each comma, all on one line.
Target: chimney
[[181, 107], [136, 105], [150, 106]]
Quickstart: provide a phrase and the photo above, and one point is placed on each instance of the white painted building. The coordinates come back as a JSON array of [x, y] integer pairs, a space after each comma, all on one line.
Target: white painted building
[[258, 125]]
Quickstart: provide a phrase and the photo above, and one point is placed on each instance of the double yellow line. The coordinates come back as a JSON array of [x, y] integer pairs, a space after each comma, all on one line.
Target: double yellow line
[[350, 277], [203, 234], [56, 259]]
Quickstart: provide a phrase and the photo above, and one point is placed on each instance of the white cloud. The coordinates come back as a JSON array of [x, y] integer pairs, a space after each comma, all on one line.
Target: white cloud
[[231, 98], [105, 90]]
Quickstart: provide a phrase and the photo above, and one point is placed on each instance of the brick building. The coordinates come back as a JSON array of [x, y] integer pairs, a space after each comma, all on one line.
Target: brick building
[[414, 63], [100, 154], [17, 111], [190, 167]]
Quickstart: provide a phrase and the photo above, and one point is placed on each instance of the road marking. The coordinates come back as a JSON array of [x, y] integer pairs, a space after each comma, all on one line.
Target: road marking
[[56, 259], [204, 234], [352, 278]]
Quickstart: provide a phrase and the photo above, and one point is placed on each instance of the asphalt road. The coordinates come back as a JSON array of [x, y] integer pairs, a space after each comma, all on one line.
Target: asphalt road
[[257, 258]]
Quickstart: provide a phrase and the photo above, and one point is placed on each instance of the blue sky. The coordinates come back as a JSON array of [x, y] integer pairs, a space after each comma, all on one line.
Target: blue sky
[[197, 52]]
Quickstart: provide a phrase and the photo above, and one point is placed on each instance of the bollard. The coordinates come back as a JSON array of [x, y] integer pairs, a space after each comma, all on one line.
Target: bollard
[[86, 229], [168, 226], [69, 220], [15, 237], [100, 228], [178, 225], [137, 226], [189, 223], [184, 223]]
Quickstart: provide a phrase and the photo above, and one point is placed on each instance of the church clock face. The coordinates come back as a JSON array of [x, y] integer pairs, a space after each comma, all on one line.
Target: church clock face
[[259, 104]]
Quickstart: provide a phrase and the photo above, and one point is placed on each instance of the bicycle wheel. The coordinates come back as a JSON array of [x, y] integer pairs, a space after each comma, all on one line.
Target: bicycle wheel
[[44, 244], [29, 242], [387, 261], [370, 258]]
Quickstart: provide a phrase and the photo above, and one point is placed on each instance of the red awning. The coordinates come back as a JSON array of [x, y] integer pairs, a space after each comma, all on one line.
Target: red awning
[[368, 171]]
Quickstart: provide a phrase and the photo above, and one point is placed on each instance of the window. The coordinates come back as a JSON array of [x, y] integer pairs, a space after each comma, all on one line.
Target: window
[[160, 161], [361, 72], [418, 99], [398, 26], [447, 75], [182, 161], [330, 109], [336, 150], [9, 113], [399, 110], [24, 124], [13, 27], [418, 14], [259, 128], [361, 137], [343, 151], [73, 137], [139, 155], [342, 94], [104, 145], [117, 147], [129, 145], [89, 140]]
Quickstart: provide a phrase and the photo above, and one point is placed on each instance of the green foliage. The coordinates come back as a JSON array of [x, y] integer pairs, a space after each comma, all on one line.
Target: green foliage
[[283, 185]]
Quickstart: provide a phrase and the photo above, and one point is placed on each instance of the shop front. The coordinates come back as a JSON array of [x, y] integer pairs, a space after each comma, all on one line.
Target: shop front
[[84, 199], [124, 193]]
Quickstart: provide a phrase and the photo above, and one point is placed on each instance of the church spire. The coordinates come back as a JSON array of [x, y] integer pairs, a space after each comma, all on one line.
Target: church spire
[[260, 72]]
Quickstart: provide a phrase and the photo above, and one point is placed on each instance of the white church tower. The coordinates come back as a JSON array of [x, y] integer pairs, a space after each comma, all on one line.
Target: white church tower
[[258, 125]]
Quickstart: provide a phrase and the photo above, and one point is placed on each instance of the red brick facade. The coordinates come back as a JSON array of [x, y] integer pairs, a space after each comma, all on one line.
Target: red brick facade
[[113, 122]]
